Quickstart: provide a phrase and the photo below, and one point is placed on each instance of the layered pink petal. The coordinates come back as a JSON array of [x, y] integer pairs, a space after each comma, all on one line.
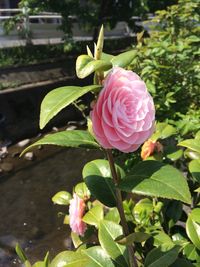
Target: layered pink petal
[[123, 117]]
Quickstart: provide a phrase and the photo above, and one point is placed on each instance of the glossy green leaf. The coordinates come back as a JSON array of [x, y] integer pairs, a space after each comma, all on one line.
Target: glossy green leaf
[[137, 237], [192, 144], [113, 215], [98, 257], [123, 60], [191, 154], [46, 259], [163, 131], [97, 176], [161, 238], [153, 178], [143, 209], [62, 198], [60, 98], [39, 264], [182, 263], [174, 154], [82, 191], [108, 232], [106, 57], [197, 135], [194, 168], [190, 252], [158, 258], [193, 227], [69, 259], [85, 65], [77, 138], [94, 215], [76, 240], [20, 253]]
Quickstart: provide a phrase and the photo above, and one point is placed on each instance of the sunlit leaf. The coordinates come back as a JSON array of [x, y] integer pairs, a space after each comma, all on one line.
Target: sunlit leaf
[[62, 198], [99, 257], [153, 178], [77, 138], [60, 98], [108, 232]]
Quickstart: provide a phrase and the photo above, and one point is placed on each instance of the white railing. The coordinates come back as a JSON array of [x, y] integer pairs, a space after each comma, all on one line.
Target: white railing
[[44, 27]]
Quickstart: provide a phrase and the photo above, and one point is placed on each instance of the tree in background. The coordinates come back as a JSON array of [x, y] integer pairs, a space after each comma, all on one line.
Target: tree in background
[[90, 14]]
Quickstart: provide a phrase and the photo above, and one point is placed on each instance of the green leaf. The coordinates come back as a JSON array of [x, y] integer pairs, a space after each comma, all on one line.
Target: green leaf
[[108, 232], [153, 178], [20, 253], [193, 227], [163, 131], [143, 209], [94, 215], [197, 190], [39, 264], [62, 198], [98, 257], [97, 176], [173, 153], [77, 138], [46, 259], [113, 215], [123, 60], [27, 264], [60, 98], [192, 144], [158, 258], [106, 57], [197, 135], [82, 191], [194, 168], [137, 237], [190, 252], [85, 65], [182, 263], [76, 240], [191, 154], [161, 238], [69, 259]]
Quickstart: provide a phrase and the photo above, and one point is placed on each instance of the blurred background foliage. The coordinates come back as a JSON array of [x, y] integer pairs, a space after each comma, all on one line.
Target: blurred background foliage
[[91, 14], [168, 61]]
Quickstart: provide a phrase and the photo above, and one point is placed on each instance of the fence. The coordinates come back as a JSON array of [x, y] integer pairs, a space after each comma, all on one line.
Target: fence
[[44, 28]]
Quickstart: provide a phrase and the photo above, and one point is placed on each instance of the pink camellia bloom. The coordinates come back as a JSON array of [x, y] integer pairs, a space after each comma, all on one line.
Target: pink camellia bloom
[[123, 116], [76, 212]]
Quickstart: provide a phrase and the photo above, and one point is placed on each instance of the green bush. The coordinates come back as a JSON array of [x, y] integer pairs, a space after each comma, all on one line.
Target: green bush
[[168, 60]]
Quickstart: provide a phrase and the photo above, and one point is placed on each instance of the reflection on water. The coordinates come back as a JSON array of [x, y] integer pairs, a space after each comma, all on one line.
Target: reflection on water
[[27, 214]]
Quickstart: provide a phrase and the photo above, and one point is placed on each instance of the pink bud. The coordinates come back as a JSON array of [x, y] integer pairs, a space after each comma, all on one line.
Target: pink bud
[[149, 147], [76, 212]]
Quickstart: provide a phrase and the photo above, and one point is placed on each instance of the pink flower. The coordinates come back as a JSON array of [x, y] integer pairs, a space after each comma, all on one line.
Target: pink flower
[[124, 114], [76, 212], [149, 147]]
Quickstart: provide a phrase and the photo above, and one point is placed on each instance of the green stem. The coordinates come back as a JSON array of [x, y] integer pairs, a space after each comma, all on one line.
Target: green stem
[[116, 179]]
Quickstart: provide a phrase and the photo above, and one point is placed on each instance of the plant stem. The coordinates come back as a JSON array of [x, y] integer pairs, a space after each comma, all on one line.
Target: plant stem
[[116, 179]]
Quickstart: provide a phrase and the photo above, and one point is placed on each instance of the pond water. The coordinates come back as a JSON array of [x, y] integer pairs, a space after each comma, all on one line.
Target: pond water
[[27, 214]]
